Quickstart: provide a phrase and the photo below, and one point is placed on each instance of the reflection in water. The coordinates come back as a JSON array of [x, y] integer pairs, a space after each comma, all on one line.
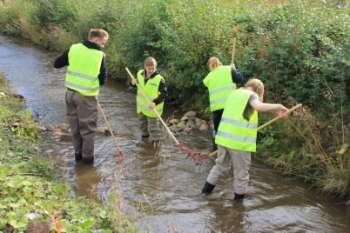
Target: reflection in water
[[228, 211], [87, 180], [161, 189]]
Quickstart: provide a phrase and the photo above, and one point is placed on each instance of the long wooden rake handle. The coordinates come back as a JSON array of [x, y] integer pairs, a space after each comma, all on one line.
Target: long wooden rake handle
[[269, 122], [154, 110], [278, 117], [121, 154], [233, 53]]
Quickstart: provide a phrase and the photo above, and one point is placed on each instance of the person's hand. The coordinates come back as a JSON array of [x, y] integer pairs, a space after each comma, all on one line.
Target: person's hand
[[282, 111], [134, 82], [233, 66], [152, 105]]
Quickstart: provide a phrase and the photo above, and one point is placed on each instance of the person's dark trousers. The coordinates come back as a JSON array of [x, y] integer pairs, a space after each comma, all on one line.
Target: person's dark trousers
[[216, 120], [82, 117]]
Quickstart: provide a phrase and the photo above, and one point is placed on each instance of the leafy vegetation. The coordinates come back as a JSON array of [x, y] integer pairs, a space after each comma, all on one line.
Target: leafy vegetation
[[29, 191], [300, 49]]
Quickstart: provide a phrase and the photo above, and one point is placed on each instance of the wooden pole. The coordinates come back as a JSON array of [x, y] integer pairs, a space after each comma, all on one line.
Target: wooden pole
[[278, 117], [111, 131], [233, 53], [154, 110]]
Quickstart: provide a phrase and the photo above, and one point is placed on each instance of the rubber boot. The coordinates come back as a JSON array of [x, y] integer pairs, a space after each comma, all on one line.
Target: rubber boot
[[156, 144], [78, 157], [207, 188], [88, 160], [238, 196]]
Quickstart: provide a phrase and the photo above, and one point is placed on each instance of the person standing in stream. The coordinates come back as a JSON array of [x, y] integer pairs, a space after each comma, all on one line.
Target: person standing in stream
[[236, 136], [220, 81], [86, 72], [151, 94]]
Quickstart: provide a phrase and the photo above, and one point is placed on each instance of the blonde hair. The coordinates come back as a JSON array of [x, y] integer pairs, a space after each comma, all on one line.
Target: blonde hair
[[150, 61], [97, 32], [213, 62], [257, 86]]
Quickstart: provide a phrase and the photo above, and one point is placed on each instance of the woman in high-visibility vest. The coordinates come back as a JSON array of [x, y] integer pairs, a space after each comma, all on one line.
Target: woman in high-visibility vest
[[236, 136], [220, 81], [151, 93]]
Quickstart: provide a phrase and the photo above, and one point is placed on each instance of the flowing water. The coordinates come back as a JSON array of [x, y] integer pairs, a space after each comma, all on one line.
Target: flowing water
[[160, 188]]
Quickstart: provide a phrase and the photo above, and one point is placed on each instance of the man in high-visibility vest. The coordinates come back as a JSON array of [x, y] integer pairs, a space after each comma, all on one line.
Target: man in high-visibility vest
[[151, 94], [86, 72], [220, 81], [236, 136]]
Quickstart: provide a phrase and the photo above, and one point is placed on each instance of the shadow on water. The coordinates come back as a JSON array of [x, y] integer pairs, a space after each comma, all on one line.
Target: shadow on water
[[160, 188]]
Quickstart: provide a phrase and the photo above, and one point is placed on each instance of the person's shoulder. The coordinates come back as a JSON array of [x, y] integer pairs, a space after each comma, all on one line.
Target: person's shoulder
[[140, 72], [252, 96], [161, 76], [162, 79], [208, 76], [247, 92], [78, 44]]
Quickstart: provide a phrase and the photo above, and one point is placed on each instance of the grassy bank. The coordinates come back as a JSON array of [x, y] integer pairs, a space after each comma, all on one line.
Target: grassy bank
[[299, 48], [30, 195]]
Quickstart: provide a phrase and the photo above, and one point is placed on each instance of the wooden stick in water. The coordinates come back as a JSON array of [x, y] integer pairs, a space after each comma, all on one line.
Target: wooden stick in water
[[111, 131]]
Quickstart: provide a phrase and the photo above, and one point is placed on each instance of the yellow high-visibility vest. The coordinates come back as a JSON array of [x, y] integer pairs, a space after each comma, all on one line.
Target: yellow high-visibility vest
[[151, 90], [83, 69], [219, 83], [235, 132]]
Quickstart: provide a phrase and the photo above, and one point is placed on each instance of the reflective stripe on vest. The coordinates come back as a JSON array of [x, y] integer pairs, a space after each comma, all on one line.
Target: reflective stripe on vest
[[83, 70], [236, 137], [235, 132], [219, 84], [75, 86], [238, 123], [151, 90], [81, 75]]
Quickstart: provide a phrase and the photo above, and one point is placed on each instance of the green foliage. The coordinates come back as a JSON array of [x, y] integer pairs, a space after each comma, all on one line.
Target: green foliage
[[49, 12], [337, 180], [300, 49], [9, 16], [22, 194]]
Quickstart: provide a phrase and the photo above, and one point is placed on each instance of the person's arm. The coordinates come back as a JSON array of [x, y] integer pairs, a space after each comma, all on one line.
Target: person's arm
[[163, 93], [62, 60], [205, 81], [134, 82], [237, 77], [102, 77], [265, 107]]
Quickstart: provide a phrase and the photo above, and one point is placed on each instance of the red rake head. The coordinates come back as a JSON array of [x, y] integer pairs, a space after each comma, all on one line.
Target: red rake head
[[195, 156]]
